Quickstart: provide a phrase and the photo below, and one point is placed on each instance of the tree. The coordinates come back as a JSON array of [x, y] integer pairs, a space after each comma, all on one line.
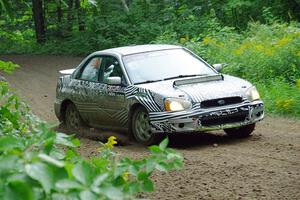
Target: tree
[[70, 15], [38, 18], [80, 13]]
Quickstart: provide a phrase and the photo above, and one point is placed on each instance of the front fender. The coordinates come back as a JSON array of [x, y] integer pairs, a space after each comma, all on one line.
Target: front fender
[[153, 102]]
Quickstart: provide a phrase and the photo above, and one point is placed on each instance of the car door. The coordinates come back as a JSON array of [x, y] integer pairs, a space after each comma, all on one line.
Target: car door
[[87, 89], [112, 100]]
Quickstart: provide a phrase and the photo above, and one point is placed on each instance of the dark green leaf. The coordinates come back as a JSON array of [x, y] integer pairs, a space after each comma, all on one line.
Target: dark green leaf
[[163, 167], [143, 175], [84, 195], [8, 163], [42, 173], [155, 149], [68, 196], [112, 193], [17, 190], [67, 184], [133, 188], [83, 172], [9, 142], [148, 185], [100, 179]]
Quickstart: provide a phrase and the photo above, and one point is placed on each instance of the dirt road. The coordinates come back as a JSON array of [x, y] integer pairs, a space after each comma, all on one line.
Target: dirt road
[[264, 166]]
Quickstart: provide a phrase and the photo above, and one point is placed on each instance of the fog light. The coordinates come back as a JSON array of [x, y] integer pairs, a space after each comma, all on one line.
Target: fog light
[[258, 114]]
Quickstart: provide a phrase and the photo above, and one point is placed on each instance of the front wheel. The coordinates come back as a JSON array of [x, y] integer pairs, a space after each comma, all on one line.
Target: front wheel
[[141, 128], [240, 132]]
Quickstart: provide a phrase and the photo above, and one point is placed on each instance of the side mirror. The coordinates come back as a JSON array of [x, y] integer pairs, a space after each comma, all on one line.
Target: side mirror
[[218, 67], [114, 80]]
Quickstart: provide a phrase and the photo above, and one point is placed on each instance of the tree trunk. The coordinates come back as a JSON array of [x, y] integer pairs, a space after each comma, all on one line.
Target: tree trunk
[[59, 11], [59, 17], [38, 18], [70, 16], [80, 12]]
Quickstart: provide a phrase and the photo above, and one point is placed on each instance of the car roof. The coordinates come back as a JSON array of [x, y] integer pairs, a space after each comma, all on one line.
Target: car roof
[[134, 49]]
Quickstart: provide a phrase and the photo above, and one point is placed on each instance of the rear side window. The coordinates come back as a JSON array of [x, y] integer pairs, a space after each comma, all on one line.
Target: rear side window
[[92, 69]]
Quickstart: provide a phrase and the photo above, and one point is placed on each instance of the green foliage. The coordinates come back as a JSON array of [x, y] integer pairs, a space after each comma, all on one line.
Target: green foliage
[[280, 97], [8, 67], [38, 163], [112, 23], [267, 55], [261, 53]]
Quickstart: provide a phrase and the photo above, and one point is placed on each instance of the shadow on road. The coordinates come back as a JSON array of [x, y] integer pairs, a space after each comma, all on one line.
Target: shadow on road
[[187, 140], [180, 141]]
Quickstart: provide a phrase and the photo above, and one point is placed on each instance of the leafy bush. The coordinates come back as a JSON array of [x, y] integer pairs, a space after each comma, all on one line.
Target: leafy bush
[[262, 53], [267, 55], [280, 97], [38, 163]]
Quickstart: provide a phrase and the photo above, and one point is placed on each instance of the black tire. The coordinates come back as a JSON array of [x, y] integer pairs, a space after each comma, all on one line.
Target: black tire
[[241, 132], [141, 129], [72, 118]]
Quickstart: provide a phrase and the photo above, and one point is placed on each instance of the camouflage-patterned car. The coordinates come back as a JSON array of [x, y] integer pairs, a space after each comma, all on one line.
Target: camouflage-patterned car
[[149, 90]]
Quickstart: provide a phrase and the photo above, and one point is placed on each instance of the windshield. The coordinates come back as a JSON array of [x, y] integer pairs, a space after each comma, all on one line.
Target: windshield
[[164, 64]]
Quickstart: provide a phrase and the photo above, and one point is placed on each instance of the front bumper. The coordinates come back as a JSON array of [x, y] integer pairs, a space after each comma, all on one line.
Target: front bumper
[[216, 118]]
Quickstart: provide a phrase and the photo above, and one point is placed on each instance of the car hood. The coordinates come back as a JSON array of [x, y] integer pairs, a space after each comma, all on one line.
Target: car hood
[[197, 92]]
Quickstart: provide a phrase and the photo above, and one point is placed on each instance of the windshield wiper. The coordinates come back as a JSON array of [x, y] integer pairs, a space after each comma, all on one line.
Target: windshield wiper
[[183, 76], [148, 81]]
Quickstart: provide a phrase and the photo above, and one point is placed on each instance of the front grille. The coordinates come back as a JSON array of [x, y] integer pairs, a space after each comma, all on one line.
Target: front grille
[[220, 102], [218, 120]]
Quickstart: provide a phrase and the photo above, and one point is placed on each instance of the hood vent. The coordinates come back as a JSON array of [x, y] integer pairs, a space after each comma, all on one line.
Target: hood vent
[[200, 79]]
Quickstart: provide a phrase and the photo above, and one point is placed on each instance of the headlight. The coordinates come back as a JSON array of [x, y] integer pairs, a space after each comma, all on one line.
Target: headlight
[[176, 104], [252, 94]]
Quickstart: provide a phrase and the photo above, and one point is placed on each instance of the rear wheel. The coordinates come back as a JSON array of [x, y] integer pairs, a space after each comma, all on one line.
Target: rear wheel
[[72, 117], [141, 128], [241, 132]]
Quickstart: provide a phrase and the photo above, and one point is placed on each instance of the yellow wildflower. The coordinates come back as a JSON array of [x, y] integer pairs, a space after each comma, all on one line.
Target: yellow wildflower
[[111, 142], [269, 52], [125, 176], [208, 40], [285, 104], [283, 41], [259, 47], [182, 40], [242, 48]]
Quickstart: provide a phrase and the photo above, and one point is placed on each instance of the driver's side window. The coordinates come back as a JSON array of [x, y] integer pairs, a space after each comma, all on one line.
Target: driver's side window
[[111, 68]]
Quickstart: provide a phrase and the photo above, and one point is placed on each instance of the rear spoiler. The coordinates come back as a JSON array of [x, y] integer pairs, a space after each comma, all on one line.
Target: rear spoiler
[[67, 71]]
